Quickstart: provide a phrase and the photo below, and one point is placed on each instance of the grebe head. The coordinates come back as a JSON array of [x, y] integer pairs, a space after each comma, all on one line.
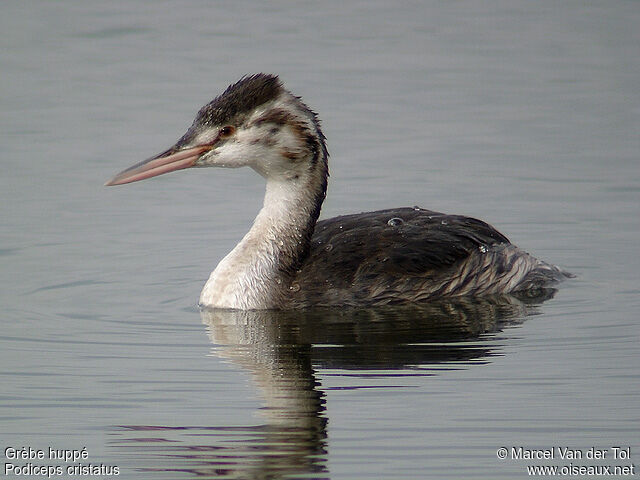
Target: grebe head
[[255, 123]]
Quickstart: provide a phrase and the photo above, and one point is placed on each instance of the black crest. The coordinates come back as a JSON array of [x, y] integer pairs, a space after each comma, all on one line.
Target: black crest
[[238, 99]]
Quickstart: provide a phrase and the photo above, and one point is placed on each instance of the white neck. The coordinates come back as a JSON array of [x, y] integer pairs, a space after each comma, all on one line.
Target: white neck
[[257, 273]]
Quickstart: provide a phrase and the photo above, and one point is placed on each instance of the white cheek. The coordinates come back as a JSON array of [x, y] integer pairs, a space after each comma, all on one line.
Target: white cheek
[[288, 139], [256, 147], [232, 155]]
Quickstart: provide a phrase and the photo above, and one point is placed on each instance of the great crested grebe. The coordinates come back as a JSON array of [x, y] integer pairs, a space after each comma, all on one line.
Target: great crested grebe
[[289, 261]]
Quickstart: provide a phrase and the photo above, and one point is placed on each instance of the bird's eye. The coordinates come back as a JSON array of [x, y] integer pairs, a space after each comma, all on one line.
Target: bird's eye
[[227, 131]]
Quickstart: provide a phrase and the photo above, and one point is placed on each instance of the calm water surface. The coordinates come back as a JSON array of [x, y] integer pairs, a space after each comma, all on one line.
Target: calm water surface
[[524, 114]]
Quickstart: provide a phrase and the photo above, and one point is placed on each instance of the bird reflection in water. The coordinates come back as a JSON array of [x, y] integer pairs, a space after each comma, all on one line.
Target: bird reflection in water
[[283, 351]]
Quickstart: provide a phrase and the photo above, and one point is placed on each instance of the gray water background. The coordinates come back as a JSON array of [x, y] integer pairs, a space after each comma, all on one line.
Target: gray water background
[[525, 114]]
